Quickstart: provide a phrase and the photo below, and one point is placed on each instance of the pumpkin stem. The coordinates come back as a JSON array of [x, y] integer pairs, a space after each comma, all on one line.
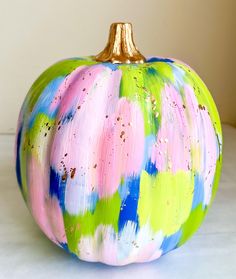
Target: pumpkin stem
[[120, 47]]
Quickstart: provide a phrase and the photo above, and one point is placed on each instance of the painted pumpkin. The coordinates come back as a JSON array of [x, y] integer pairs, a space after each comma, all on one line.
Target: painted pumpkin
[[118, 157]]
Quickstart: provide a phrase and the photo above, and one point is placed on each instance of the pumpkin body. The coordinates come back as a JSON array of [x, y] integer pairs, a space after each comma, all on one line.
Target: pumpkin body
[[118, 163]]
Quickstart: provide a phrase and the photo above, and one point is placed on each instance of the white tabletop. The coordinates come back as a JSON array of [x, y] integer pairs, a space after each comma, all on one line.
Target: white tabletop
[[26, 253]]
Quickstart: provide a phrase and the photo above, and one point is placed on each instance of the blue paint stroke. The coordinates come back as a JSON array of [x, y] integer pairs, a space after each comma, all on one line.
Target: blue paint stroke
[[112, 66], [149, 142], [57, 187], [93, 199], [129, 205], [64, 246], [68, 117], [45, 99], [18, 172], [151, 168], [179, 75], [123, 190], [156, 59], [151, 71], [198, 195], [169, 243]]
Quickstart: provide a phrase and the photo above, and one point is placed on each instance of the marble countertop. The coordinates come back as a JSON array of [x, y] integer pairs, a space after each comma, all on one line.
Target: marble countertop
[[26, 253]]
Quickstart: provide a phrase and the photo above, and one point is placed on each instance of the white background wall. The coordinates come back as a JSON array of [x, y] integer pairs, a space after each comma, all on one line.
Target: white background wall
[[35, 34]]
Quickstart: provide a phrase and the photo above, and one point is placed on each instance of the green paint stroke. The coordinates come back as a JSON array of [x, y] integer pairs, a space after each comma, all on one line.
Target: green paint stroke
[[33, 142], [198, 214], [165, 200], [203, 95], [216, 178], [143, 84], [192, 224], [106, 213], [40, 127]]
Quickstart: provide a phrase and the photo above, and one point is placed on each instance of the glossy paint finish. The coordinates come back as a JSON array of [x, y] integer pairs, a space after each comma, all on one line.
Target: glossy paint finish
[[118, 163]]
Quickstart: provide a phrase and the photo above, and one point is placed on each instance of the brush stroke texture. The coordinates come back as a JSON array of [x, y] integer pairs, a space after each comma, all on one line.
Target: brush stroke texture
[[118, 163]]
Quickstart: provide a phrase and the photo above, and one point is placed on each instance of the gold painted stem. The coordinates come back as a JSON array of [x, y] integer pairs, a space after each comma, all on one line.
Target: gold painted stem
[[120, 47]]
